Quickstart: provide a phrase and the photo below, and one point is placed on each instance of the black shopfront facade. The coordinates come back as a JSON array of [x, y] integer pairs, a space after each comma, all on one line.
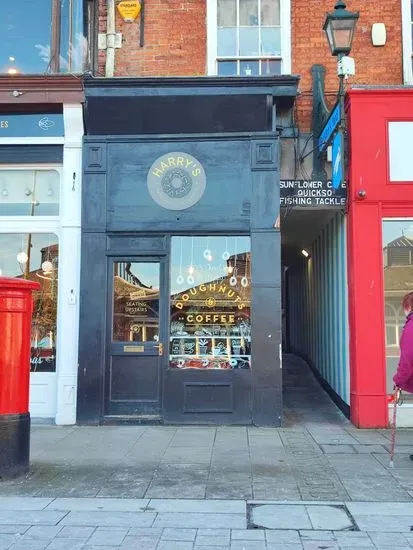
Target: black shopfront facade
[[180, 311]]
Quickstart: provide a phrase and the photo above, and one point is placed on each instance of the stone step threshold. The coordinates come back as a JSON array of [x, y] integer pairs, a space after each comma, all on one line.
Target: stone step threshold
[[132, 420]]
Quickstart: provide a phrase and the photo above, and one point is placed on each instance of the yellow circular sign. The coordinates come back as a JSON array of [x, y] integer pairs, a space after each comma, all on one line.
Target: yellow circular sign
[[129, 10]]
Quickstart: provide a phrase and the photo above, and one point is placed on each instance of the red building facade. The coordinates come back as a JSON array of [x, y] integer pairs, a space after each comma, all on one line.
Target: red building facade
[[379, 255]]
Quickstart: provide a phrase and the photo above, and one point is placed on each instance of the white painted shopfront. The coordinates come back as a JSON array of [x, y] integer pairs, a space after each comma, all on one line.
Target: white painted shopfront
[[40, 197]]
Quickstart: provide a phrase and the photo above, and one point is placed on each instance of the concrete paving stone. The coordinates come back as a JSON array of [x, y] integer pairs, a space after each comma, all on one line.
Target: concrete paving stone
[[22, 503], [134, 543], [67, 544], [97, 504], [248, 545], [87, 547], [380, 508], [202, 541], [105, 537], [145, 531], [75, 532], [32, 545], [195, 520], [334, 449], [333, 439], [347, 538], [211, 532], [41, 517], [177, 489], [247, 534], [104, 519], [146, 542], [43, 532], [275, 546], [306, 534], [388, 539], [13, 529], [233, 490], [281, 536], [212, 547], [280, 516], [6, 541], [174, 545], [401, 461], [201, 506], [372, 489], [173, 533], [329, 518], [317, 544], [347, 464], [395, 524], [265, 491], [369, 449]]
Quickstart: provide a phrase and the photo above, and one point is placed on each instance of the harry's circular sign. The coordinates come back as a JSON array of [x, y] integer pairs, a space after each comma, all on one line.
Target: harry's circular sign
[[176, 181]]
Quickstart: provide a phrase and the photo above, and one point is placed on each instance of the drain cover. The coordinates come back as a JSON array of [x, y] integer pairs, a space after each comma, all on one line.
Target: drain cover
[[300, 516]]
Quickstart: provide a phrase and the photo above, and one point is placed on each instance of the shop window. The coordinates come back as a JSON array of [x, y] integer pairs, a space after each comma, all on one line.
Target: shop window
[[136, 302], [29, 192], [43, 36], [36, 257], [210, 322], [398, 281], [248, 37]]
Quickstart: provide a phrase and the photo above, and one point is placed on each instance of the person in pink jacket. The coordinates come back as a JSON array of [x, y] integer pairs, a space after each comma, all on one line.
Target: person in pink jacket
[[403, 378]]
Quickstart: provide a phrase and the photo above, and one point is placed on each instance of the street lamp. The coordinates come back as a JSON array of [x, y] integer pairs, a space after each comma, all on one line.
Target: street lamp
[[339, 27]]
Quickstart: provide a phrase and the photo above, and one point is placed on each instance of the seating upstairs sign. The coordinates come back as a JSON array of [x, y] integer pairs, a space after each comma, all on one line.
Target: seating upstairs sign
[[329, 128]]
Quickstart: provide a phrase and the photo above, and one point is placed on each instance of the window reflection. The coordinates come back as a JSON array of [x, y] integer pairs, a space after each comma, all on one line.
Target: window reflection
[[398, 281], [42, 37], [29, 192], [136, 302], [210, 303], [36, 257]]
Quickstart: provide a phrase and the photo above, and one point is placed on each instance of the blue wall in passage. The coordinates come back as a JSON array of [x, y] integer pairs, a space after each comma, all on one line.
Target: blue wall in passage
[[318, 307]]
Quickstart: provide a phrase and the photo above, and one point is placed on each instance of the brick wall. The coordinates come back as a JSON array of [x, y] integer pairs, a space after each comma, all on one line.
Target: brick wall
[[175, 44], [374, 65], [175, 40]]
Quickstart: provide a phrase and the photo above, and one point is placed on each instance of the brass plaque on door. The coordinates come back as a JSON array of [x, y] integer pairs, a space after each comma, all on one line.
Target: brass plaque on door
[[134, 349]]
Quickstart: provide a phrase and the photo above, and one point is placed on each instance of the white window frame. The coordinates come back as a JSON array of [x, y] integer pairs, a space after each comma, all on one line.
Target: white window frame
[[407, 32], [212, 37]]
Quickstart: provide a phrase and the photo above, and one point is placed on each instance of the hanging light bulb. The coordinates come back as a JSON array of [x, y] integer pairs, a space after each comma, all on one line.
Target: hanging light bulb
[[209, 258], [47, 266], [191, 269], [22, 257], [230, 269]]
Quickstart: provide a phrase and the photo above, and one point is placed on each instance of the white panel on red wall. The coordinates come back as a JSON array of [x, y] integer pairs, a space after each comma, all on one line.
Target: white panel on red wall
[[400, 151]]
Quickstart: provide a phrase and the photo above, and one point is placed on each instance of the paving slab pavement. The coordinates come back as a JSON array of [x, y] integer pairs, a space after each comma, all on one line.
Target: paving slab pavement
[[168, 524]]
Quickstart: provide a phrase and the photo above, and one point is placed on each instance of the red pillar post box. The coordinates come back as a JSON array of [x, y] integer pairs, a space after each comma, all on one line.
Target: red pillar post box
[[16, 305]]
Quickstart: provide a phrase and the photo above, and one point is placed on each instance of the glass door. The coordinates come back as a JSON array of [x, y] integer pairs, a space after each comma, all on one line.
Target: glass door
[[136, 346]]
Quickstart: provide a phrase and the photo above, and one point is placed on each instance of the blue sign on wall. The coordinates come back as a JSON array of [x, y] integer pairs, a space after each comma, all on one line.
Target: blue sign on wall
[[338, 158], [329, 128], [39, 125]]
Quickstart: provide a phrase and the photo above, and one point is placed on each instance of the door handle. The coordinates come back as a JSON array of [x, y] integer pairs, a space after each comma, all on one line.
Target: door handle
[[159, 347]]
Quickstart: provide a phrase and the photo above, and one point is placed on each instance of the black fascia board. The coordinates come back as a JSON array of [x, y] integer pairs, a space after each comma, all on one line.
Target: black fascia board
[[276, 86]]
